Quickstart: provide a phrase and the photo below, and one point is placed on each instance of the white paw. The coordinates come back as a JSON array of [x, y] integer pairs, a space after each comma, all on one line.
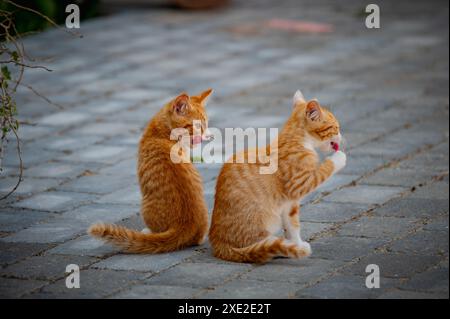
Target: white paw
[[305, 246], [146, 231], [339, 160]]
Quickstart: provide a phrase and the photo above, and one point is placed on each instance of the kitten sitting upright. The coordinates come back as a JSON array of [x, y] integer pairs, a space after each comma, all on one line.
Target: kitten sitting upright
[[251, 208], [173, 206]]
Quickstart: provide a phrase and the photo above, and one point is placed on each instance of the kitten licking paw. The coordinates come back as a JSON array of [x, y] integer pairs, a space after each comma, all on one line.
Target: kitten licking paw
[[339, 160]]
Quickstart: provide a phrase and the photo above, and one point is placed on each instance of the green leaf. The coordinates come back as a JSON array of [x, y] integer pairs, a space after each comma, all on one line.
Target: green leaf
[[15, 56], [5, 72]]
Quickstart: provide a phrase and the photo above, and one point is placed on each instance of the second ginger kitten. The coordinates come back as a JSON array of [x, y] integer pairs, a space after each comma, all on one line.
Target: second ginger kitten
[[251, 208]]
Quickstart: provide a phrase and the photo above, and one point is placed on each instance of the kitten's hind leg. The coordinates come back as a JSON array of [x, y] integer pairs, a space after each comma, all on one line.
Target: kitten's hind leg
[[291, 223]]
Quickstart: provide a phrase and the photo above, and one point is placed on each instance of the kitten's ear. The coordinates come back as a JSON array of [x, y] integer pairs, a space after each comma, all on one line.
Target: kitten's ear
[[299, 98], [203, 97], [313, 111], [181, 104]]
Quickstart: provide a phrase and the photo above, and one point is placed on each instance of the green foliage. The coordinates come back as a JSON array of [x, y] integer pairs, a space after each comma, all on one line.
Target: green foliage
[[26, 21]]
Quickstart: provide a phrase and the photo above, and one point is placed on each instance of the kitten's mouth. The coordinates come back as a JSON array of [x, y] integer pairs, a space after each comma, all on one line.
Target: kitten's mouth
[[335, 146]]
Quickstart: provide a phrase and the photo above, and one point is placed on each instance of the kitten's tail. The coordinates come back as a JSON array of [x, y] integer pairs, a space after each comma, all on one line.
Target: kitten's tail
[[132, 241], [267, 249]]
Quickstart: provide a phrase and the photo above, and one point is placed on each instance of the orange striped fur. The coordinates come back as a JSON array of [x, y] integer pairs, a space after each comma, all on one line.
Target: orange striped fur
[[173, 206], [251, 208]]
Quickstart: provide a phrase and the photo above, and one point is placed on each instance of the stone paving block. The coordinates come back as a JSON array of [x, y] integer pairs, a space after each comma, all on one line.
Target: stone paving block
[[198, 275], [332, 184], [433, 280], [28, 186], [11, 288], [300, 271], [98, 184], [157, 292], [89, 214], [100, 154], [101, 129], [311, 229], [54, 201], [345, 287], [362, 165], [127, 196], [381, 227], [398, 177], [84, 246], [437, 190], [422, 243], [413, 207], [364, 194], [252, 289], [126, 167], [12, 220], [54, 170], [14, 252], [66, 118], [344, 248], [44, 268], [327, 212], [93, 284], [145, 263], [402, 294], [52, 231], [438, 224], [69, 143], [394, 265]]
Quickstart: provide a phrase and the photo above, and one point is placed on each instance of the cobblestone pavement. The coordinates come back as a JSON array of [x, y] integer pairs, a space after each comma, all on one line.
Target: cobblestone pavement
[[389, 207]]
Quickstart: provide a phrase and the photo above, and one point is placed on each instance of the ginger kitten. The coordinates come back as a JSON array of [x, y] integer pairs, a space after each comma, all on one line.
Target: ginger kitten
[[251, 208], [173, 206]]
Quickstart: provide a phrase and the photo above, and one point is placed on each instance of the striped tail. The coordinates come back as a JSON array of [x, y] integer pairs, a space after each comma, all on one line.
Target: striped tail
[[265, 250], [132, 241]]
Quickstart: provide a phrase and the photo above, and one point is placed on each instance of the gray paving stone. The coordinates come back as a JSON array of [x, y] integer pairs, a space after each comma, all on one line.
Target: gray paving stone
[[157, 292], [394, 265], [344, 248], [98, 184], [197, 275], [84, 246], [327, 212], [381, 227], [398, 177], [402, 294], [345, 287], [438, 190], [11, 288], [432, 280], [413, 207], [28, 186], [93, 284], [145, 263], [55, 170], [99, 154], [12, 220], [300, 271], [14, 252], [54, 201], [41, 267], [423, 243], [252, 289], [364, 194]]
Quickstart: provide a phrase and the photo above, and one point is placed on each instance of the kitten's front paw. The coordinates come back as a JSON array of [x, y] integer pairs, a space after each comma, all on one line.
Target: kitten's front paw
[[339, 160], [305, 247]]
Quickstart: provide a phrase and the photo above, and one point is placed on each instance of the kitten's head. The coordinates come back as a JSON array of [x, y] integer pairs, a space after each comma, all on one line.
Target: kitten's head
[[321, 126], [188, 112]]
